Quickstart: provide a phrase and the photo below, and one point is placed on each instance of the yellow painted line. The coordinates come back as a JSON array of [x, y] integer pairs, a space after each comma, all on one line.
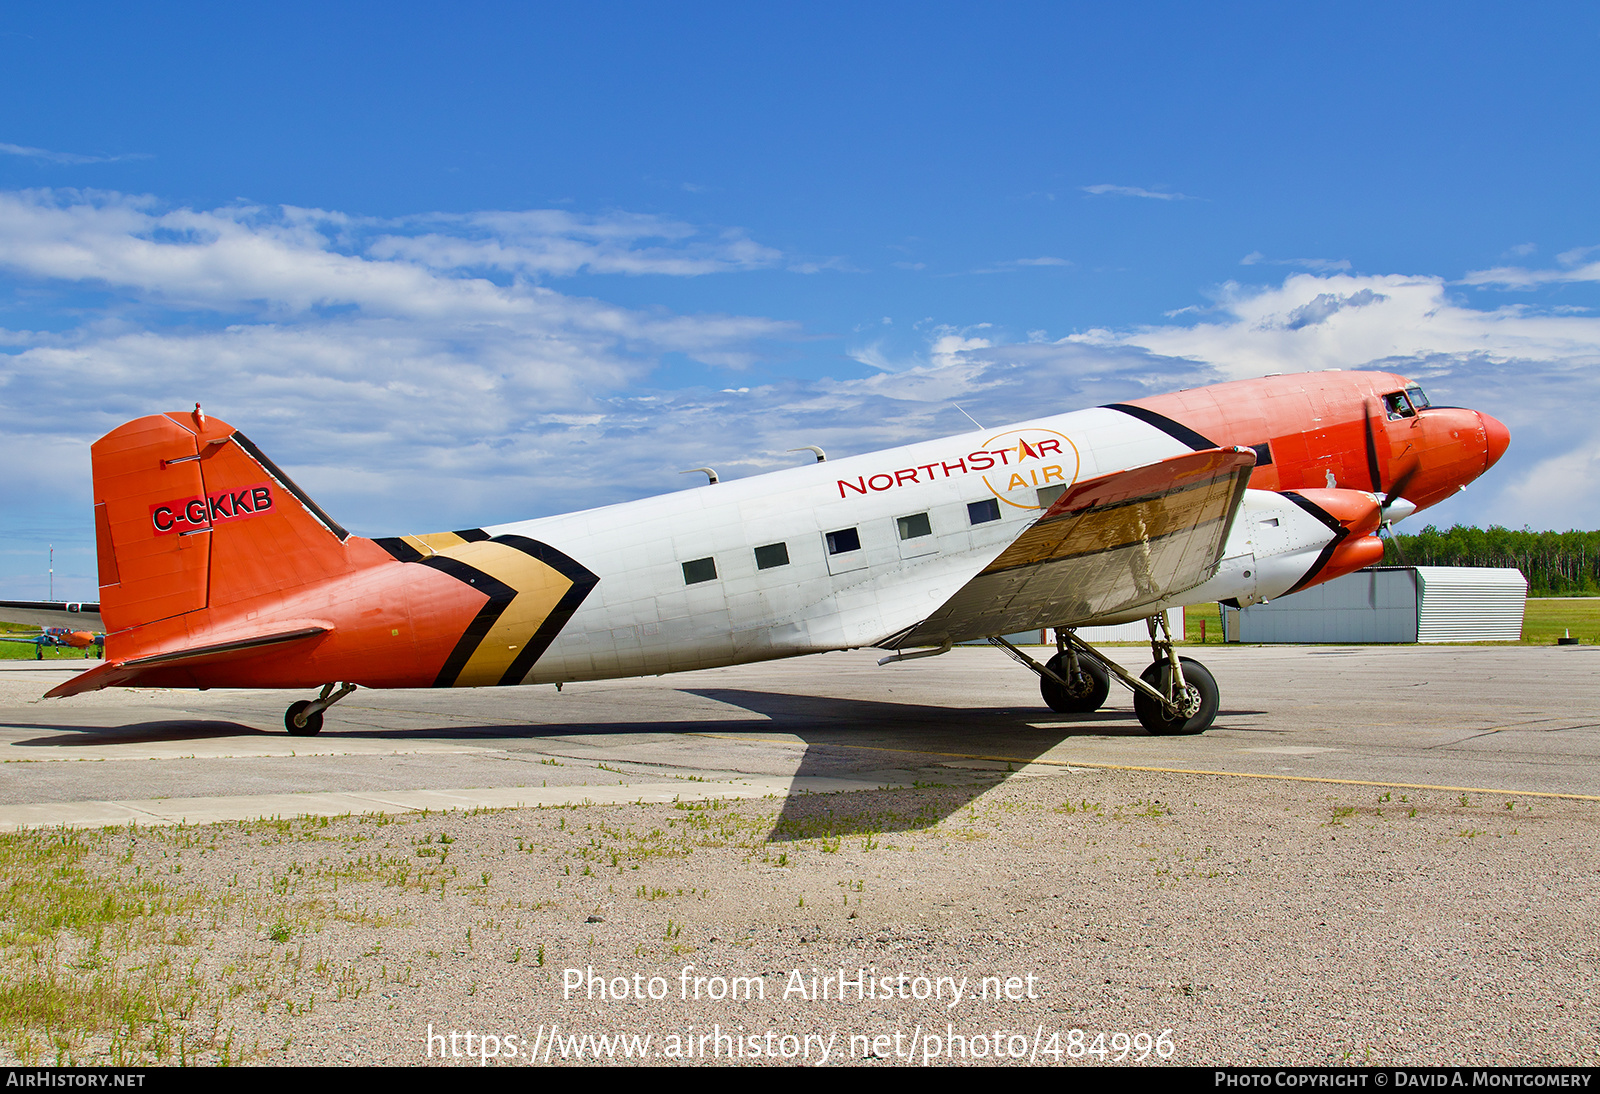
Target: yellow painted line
[[1184, 770]]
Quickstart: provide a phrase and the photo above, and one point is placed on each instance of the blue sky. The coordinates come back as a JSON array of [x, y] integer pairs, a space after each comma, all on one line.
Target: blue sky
[[459, 267]]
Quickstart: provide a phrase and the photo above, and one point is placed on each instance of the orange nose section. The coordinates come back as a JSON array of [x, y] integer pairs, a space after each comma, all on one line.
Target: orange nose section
[[1497, 438]]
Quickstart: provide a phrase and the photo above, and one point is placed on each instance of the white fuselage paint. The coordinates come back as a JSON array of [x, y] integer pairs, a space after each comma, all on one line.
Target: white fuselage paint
[[644, 618]]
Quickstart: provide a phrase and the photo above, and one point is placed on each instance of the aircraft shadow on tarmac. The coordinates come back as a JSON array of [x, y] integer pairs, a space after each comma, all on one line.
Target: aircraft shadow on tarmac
[[845, 738], [135, 733]]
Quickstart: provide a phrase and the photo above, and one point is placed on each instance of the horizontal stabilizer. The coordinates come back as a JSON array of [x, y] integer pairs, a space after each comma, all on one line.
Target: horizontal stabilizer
[[1107, 546], [129, 673]]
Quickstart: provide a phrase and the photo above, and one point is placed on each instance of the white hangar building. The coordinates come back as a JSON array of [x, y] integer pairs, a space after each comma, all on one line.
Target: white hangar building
[[1391, 604]]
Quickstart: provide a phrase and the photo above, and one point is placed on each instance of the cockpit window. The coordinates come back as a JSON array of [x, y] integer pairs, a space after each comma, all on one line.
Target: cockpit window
[[1418, 399], [1398, 406]]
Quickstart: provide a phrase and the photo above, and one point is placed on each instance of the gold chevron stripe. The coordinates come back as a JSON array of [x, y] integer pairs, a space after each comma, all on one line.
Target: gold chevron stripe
[[539, 588]]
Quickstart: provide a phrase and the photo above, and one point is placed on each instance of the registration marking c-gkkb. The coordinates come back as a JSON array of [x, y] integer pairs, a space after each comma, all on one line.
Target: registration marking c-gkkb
[[1023, 459], [193, 514]]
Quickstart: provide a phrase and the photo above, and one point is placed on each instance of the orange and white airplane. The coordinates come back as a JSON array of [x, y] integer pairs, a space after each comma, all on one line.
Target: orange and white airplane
[[216, 570]]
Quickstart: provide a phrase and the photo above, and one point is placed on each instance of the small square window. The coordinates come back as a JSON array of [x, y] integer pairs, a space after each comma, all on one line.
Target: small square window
[[915, 526], [773, 554], [701, 569], [847, 539], [982, 512], [1049, 494]]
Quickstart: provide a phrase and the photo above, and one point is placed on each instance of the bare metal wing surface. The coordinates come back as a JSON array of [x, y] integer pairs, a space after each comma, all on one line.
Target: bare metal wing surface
[[1114, 546]]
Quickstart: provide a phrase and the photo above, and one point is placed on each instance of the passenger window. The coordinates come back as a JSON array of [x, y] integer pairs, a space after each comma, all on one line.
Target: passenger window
[[846, 539], [773, 554], [982, 512], [701, 569], [1049, 494], [915, 526]]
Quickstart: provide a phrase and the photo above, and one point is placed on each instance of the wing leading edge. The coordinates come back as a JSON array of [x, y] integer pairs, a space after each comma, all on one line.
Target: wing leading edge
[[1108, 547]]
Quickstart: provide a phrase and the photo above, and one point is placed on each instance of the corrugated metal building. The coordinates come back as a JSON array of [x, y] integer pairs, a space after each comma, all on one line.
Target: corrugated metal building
[[1391, 604]]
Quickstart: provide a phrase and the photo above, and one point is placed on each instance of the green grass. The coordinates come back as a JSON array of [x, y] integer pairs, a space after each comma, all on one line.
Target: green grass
[[16, 651], [1547, 620]]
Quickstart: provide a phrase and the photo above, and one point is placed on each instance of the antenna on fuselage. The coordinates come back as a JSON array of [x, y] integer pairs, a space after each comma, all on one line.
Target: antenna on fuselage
[[970, 418], [710, 473], [821, 455]]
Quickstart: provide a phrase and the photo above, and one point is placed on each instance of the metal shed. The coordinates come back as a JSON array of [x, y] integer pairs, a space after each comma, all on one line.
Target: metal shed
[[1391, 604]]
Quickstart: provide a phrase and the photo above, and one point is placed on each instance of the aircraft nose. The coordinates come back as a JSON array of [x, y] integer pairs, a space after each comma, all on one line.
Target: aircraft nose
[[1497, 436]]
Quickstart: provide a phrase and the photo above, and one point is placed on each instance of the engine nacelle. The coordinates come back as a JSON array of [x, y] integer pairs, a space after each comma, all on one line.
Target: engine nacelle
[[1284, 542]]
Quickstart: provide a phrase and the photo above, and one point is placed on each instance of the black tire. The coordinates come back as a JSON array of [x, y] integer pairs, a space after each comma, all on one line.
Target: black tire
[[1088, 690], [1154, 716], [313, 724]]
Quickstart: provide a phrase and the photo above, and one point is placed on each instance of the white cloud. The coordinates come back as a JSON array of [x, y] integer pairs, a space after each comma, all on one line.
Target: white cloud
[[1349, 321], [1015, 264], [44, 155], [402, 387], [558, 243], [1540, 374], [1519, 277], [1320, 265], [410, 391], [1134, 192]]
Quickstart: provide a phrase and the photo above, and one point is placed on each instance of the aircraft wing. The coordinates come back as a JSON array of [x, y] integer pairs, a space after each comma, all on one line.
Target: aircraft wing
[[52, 613], [1107, 548]]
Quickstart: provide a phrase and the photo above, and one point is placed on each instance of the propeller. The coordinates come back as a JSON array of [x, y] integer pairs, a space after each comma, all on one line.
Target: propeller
[[1397, 488]]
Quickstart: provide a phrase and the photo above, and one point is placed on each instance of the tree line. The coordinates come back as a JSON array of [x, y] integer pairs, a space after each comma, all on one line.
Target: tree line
[[1555, 563]]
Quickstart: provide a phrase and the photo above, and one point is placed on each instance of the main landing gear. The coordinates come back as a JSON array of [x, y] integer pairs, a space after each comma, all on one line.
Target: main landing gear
[[1175, 695], [304, 719]]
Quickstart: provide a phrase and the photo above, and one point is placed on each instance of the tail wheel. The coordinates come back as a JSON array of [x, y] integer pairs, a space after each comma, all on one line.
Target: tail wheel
[[1198, 702], [313, 722], [1085, 691]]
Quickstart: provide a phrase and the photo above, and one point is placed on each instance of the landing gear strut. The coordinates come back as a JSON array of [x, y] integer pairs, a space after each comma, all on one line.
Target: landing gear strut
[[1076, 683], [304, 719], [1175, 695]]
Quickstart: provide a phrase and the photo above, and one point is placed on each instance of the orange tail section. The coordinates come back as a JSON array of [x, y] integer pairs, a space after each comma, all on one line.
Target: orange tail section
[[189, 515], [216, 570]]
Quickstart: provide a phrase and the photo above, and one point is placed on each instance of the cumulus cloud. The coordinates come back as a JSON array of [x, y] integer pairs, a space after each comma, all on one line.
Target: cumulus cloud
[[416, 388], [1350, 321], [405, 386], [1540, 374]]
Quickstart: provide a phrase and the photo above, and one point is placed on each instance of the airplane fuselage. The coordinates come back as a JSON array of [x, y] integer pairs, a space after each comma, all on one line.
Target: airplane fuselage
[[216, 571]]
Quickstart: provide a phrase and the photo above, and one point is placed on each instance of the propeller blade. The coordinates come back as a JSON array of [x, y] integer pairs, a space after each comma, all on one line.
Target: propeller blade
[[1398, 551], [1398, 488], [1372, 449]]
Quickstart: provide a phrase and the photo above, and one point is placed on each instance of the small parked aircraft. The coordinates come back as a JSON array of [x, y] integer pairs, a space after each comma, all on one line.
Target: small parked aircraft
[[53, 637], [216, 570]]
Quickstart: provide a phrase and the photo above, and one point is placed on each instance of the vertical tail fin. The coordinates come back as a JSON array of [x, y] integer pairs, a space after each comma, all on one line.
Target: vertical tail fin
[[189, 515]]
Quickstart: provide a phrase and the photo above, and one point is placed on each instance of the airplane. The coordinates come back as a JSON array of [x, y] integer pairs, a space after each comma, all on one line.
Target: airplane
[[57, 637], [217, 570], [45, 615]]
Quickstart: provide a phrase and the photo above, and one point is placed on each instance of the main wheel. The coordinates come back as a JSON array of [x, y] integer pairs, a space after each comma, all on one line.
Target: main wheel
[[313, 724], [1199, 701], [1085, 691]]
